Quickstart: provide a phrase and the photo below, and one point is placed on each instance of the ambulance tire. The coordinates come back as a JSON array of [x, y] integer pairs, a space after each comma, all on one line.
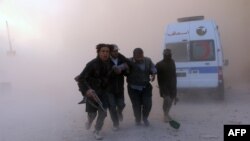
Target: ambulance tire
[[220, 92]]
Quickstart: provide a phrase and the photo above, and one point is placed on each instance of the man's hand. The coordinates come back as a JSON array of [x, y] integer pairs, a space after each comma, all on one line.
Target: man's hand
[[152, 77], [91, 94], [77, 78], [117, 70]]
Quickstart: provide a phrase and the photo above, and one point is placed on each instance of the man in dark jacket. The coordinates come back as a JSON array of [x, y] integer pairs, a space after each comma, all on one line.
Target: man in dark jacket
[[141, 72], [166, 77], [116, 95], [94, 83]]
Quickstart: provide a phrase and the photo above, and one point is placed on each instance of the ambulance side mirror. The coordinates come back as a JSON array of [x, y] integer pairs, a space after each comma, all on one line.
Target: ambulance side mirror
[[226, 62]]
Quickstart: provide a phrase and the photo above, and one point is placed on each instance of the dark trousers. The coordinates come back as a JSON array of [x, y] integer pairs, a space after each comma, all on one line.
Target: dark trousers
[[141, 102], [116, 106]]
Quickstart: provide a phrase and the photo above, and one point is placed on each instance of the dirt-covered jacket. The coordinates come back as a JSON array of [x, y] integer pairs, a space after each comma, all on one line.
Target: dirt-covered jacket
[[96, 75], [138, 76]]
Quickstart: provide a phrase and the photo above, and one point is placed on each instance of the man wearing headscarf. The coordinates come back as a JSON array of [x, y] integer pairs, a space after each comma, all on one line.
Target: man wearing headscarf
[[166, 77]]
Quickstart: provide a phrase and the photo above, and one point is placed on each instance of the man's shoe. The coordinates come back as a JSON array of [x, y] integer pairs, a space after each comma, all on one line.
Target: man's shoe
[[137, 123], [146, 122], [97, 135], [115, 128]]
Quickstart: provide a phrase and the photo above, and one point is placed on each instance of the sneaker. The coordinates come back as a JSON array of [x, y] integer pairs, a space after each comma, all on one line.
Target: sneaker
[[146, 122], [115, 128], [137, 123], [97, 135]]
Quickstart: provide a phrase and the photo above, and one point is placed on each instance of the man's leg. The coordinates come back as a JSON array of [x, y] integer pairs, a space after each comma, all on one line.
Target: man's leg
[[167, 104], [136, 104], [113, 111], [147, 103], [92, 112], [120, 106], [99, 123], [91, 118]]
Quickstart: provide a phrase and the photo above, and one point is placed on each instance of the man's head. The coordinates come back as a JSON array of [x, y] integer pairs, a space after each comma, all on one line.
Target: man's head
[[114, 52], [138, 54], [103, 51], [167, 54]]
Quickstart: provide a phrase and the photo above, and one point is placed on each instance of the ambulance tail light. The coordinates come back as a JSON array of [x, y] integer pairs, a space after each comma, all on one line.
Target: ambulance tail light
[[220, 74]]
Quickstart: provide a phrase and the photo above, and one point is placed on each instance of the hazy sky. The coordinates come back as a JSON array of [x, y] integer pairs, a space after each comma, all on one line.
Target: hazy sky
[[54, 39]]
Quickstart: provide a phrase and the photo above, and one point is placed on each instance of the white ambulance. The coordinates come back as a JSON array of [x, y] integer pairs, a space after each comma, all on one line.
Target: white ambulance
[[197, 51]]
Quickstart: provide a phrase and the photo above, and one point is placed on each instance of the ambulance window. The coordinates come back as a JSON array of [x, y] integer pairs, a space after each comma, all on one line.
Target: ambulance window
[[179, 51], [202, 50]]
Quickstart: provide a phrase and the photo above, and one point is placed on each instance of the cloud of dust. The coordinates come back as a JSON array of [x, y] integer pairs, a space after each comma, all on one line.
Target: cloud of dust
[[66, 32], [54, 39]]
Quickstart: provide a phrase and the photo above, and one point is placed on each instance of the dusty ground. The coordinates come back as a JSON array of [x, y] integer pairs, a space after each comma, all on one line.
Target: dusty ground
[[52, 116]]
